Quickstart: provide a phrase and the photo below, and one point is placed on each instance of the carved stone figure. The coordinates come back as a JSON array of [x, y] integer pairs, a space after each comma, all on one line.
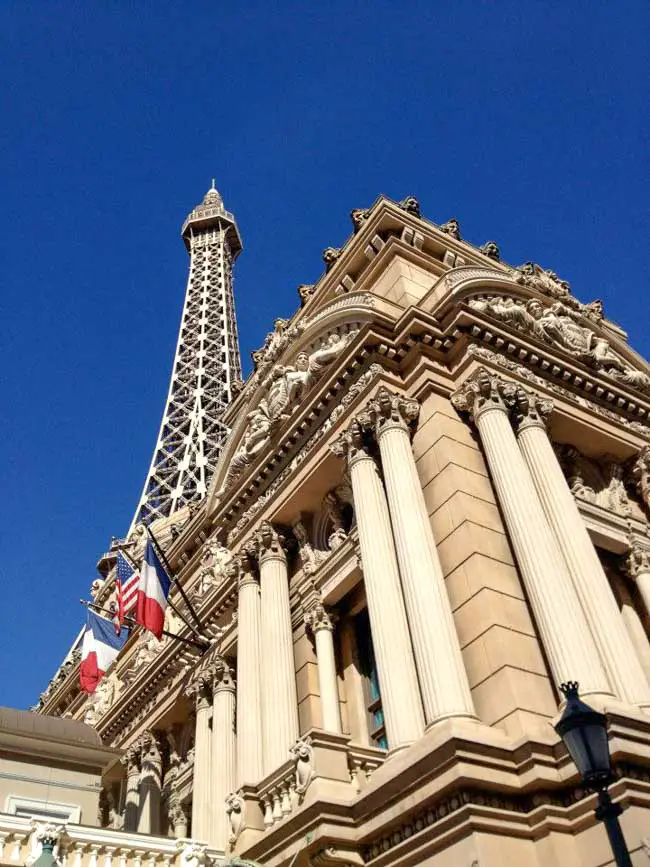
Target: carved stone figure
[[257, 434], [594, 310], [148, 649], [235, 813], [96, 587], [192, 854], [358, 217], [333, 508], [311, 558], [641, 475], [491, 250], [302, 754], [214, 561], [411, 205], [452, 228], [137, 539], [305, 291], [272, 340], [330, 256]]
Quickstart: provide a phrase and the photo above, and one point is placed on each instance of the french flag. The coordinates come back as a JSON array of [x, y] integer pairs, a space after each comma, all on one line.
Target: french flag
[[153, 591], [99, 649]]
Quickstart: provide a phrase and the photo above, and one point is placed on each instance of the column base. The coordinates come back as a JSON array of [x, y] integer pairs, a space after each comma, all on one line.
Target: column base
[[461, 717]]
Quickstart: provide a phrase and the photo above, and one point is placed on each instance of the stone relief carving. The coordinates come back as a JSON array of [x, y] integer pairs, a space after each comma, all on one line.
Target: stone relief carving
[[192, 854], [411, 205], [214, 562], [559, 326], [355, 389], [302, 754], [137, 539], [288, 385], [274, 342], [387, 409], [546, 282], [235, 813], [333, 509], [599, 482], [451, 228], [96, 588], [491, 250], [641, 475], [310, 556], [331, 255]]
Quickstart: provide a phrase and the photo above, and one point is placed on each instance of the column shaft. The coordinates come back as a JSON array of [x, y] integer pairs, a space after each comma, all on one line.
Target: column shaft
[[132, 796], [400, 694], [567, 640], [604, 619], [223, 754], [250, 766], [320, 624], [279, 694], [202, 789], [442, 675]]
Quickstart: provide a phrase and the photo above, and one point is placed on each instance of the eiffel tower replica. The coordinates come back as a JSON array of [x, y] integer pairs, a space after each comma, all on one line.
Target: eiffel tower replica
[[206, 367]]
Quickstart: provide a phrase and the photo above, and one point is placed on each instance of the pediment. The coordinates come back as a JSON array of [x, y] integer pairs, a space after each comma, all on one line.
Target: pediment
[[544, 310], [294, 358]]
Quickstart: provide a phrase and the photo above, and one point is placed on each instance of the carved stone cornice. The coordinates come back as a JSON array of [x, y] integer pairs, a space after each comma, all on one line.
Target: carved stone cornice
[[271, 543], [351, 444], [388, 410], [484, 392]]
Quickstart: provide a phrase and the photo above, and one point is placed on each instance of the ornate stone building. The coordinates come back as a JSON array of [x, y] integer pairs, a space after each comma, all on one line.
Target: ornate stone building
[[433, 507]]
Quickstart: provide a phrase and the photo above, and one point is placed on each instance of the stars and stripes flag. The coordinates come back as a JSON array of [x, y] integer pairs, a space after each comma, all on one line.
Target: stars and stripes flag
[[126, 582]]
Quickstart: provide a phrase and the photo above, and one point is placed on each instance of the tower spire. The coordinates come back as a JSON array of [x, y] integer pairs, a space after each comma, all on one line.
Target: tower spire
[[206, 365]]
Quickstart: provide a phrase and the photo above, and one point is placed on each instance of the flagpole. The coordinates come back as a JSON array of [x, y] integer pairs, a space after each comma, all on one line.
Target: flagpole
[[203, 645], [171, 575], [169, 602]]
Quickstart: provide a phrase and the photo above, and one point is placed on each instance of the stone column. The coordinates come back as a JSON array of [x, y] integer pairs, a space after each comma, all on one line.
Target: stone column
[[561, 622], [604, 619], [250, 765], [319, 622], [200, 690], [131, 759], [632, 621], [223, 751], [150, 781], [438, 657], [400, 695], [638, 566], [279, 694]]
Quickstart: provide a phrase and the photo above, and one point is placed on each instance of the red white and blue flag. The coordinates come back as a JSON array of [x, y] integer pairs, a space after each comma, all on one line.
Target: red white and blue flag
[[153, 591], [126, 581], [99, 648]]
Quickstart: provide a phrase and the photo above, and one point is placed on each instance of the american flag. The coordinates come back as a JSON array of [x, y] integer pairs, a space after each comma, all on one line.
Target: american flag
[[126, 581]]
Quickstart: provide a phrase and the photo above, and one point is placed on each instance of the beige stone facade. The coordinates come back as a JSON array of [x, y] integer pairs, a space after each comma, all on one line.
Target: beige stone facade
[[433, 508]]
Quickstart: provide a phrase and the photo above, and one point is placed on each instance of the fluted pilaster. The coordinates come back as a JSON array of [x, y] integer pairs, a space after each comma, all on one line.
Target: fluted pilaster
[[398, 683], [279, 694], [319, 623], [200, 691], [250, 757], [604, 619], [223, 751], [438, 657], [561, 622]]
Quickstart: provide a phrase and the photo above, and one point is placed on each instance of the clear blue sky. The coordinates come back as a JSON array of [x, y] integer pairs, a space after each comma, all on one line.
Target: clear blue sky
[[525, 120]]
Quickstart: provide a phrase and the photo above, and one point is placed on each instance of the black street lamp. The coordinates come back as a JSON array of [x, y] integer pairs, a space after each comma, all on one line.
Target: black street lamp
[[584, 732]]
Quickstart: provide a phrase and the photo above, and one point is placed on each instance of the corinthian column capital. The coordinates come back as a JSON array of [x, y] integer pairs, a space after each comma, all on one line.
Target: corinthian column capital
[[638, 562], [530, 410], [271, 543], [351, 443], [223, 676], [484, 392], [199, 689], [318, 617], [641, 474], [388, 410]]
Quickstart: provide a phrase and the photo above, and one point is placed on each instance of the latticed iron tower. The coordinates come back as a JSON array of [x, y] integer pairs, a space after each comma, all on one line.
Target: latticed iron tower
[[206, 365]]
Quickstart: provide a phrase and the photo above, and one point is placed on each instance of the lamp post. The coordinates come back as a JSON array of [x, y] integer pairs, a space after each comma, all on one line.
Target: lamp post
[[584, 733]]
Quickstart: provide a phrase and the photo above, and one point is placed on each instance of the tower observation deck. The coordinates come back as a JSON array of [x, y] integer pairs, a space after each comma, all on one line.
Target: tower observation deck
[[206, 365]]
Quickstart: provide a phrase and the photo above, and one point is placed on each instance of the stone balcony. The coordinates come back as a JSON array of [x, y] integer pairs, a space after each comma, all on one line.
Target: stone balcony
[[86, 846]]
